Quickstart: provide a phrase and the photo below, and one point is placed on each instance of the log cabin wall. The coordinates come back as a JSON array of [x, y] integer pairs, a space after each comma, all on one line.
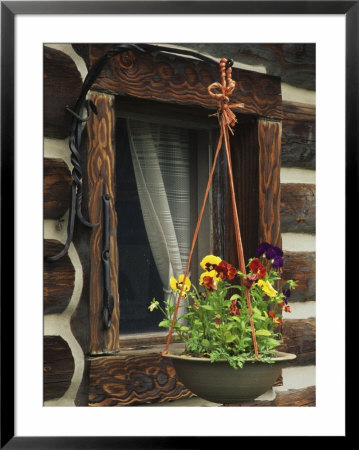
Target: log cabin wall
[[64, 359], [67, 370]]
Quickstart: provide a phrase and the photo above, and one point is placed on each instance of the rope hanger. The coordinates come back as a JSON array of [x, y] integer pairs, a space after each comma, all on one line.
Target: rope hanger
[[227, 120]]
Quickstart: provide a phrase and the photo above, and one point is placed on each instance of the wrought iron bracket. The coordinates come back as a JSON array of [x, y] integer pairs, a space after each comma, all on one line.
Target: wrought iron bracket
[[108, 299]]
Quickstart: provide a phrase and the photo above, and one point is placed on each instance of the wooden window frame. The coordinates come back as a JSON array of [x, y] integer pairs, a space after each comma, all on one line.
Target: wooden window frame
[[176, 81]]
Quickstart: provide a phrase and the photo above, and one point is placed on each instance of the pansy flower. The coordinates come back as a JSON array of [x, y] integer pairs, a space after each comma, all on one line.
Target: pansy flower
[[275, 320], [271, 252], [176, 285], [210, 262], [267, 288], [285, 307], [225, 270], [234, 308], [257, 268], [262, 248], [154, 305], [277, 262], [250, 279], [278, 251], [209, 280], [286, 293]]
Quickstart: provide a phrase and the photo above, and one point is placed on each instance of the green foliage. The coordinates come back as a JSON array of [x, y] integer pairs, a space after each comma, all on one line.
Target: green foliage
[[217, 322]]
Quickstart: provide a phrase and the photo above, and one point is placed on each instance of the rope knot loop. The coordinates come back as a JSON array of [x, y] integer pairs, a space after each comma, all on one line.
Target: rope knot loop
[[221, 92]]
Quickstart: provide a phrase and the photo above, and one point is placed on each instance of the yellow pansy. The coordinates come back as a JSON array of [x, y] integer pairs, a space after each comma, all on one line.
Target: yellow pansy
[[209, 262], [176, 285], [267, 288], [213, 274]]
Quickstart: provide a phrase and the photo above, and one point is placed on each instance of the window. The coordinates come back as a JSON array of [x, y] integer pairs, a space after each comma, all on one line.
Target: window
[[162, 168]]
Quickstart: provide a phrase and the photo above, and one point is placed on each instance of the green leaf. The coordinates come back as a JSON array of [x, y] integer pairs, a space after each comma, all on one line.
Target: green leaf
[[234, 296], [237, 319], [229, 337], [184, 328], [256, 311], [165, 323], [263, 333], [205, 343], [271, 343], [207, 307]]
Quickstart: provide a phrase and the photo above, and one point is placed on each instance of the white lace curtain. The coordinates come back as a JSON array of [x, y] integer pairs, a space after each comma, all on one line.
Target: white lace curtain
[[161, 161]]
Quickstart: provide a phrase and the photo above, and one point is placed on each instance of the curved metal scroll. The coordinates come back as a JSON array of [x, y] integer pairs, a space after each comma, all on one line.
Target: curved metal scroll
[[78, 120], [108, 300]]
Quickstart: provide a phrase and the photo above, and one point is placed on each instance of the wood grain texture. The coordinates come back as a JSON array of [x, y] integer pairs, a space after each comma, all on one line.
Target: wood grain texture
[[59, 367], [59, 279], [245, 162], [300, 266], [101, 180], [291, 397], [298, 143], [269, 139], [298, 111], [57, 188], [183, 81], [133, 380], [62, 86], [297, 208], [299, 337], [294, 63]]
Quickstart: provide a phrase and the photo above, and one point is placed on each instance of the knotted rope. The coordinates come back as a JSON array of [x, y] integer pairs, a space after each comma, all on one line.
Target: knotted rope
[[227, 120]]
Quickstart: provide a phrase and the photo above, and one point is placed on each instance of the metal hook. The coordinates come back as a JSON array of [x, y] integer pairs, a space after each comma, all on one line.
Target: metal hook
[[87, 105]]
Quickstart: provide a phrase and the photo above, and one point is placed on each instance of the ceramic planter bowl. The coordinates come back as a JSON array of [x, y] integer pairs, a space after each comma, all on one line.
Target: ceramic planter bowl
[[218, 382]]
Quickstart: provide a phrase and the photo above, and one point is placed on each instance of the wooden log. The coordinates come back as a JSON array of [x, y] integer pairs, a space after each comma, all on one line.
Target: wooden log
[[300, 266], [62, 86], [59, 279], [101, 180], [134, 379], [293, 63], [298, 111], [269, 139], [57, 188], [299, 337], [297, 208], [59, 367], [183, 81], [298, 143], [291, 397]]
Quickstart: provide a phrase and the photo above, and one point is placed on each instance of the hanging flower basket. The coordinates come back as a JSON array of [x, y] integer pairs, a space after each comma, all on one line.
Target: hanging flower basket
[[230, 344], [218, 382], [231, 325]]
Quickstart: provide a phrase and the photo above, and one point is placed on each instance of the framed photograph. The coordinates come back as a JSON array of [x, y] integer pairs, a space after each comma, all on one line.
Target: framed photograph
[[122, 168]]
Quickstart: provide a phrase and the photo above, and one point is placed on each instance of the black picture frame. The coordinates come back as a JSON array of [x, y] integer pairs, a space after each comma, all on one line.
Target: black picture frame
[[9, 9]]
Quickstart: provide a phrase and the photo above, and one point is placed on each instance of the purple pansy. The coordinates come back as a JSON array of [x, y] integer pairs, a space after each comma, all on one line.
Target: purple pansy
[[278, 251], [277, 262], [271, 253], [263, 247], [286, 293]]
